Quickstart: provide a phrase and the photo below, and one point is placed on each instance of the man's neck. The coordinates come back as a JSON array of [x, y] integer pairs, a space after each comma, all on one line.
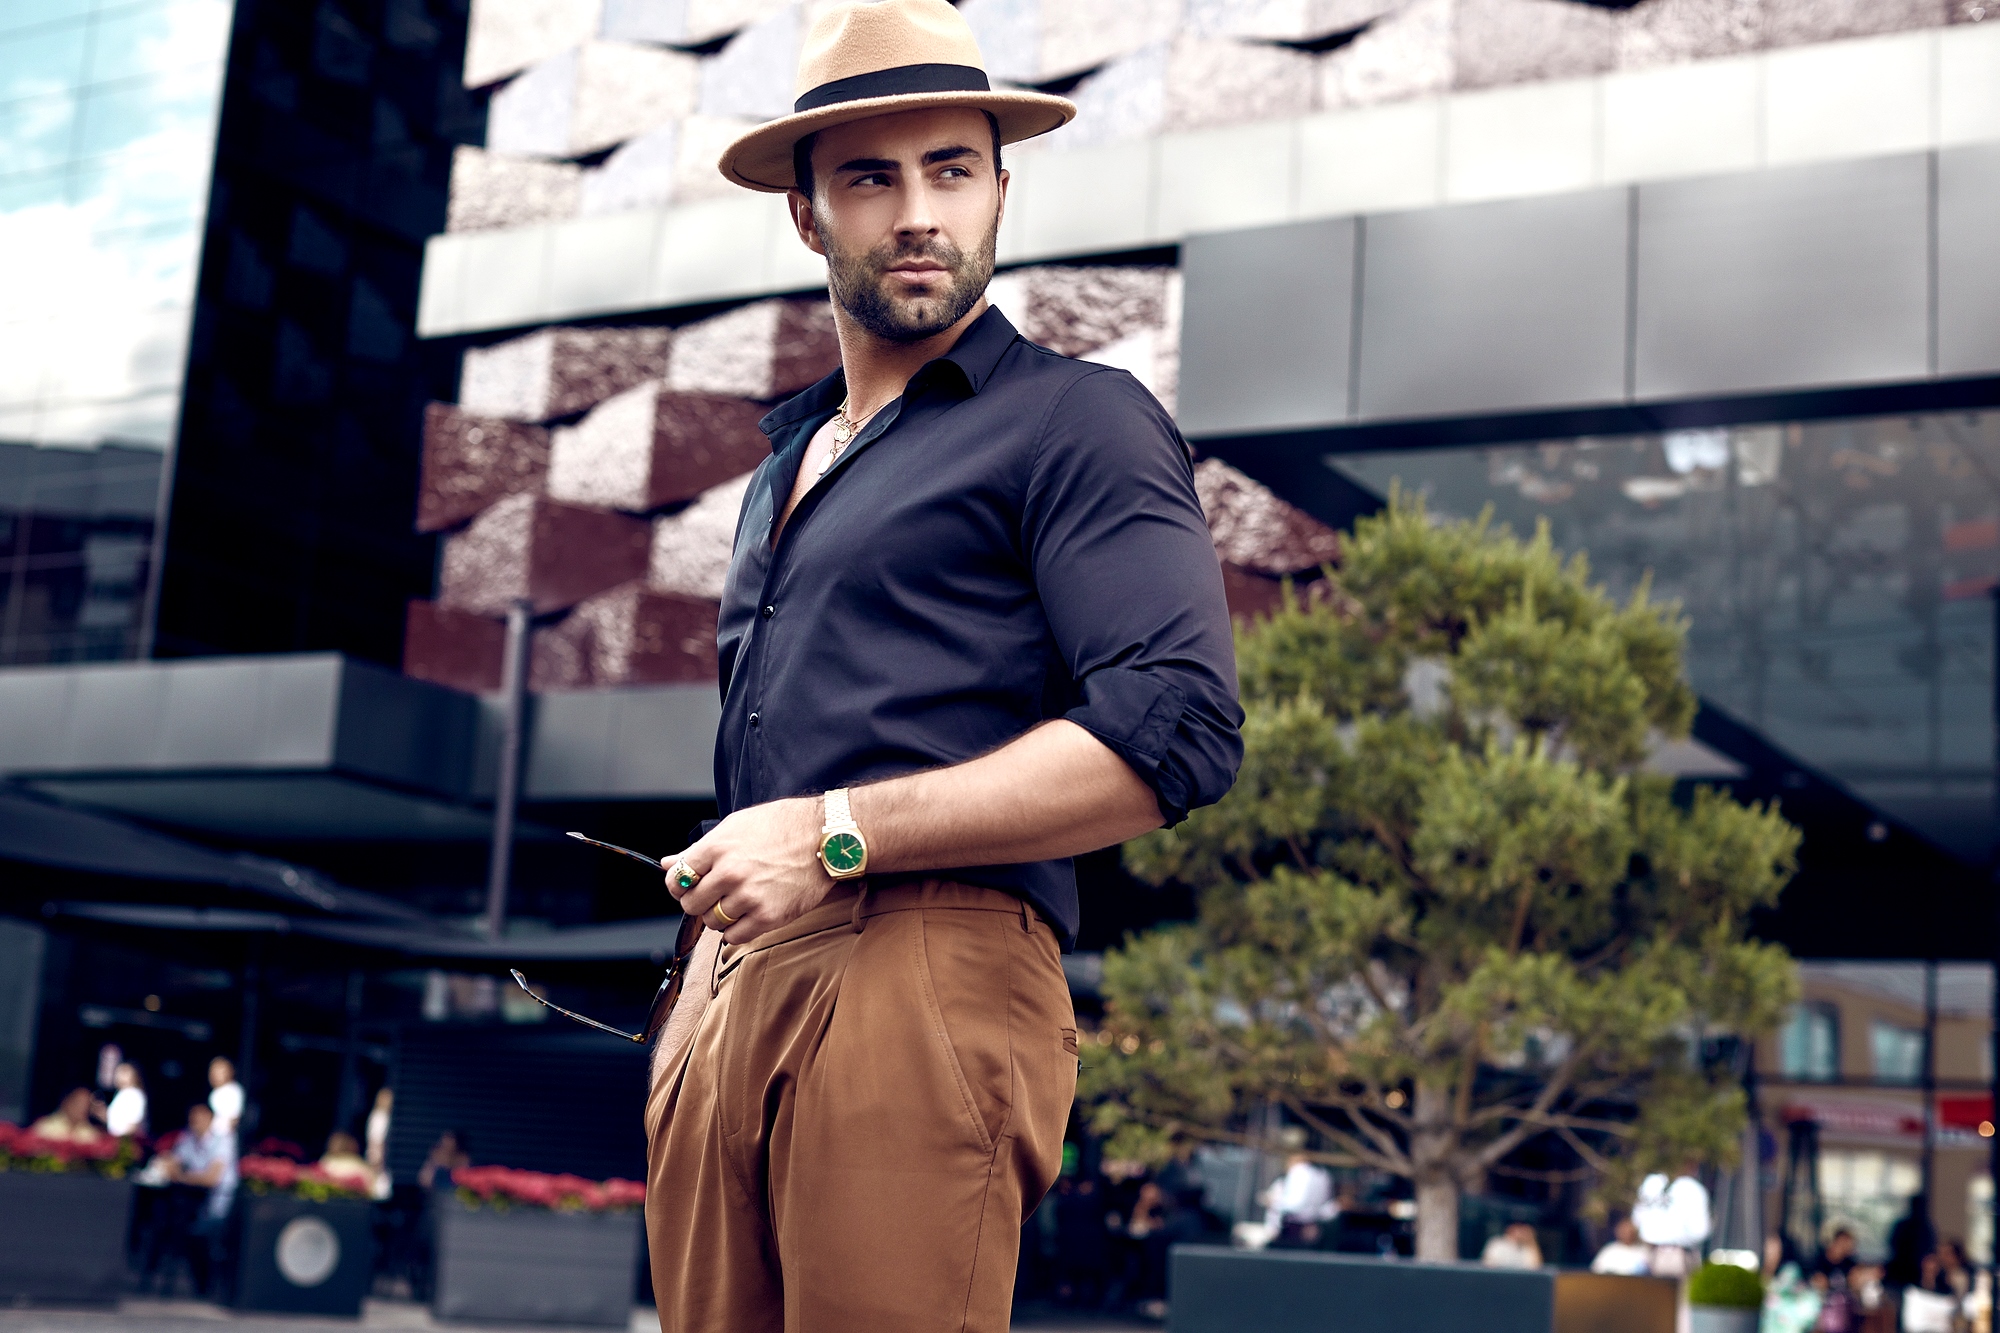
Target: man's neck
[[877, 368]]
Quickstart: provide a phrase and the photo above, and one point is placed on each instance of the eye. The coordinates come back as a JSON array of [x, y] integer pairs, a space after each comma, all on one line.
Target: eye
[[956, 171], [872, 178]]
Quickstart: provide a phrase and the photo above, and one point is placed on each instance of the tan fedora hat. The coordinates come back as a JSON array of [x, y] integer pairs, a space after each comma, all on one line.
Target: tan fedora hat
[[870, 59]]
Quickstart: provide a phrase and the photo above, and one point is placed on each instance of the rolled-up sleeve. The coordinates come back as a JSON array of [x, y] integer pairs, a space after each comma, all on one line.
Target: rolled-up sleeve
[[1127, 574]]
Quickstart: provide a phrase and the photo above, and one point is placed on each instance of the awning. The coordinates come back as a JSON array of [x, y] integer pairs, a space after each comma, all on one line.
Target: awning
[[38, 831], [651, 939]]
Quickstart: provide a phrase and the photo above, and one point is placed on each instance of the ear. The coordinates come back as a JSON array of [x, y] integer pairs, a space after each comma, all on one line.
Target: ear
[[1000, 214], [803, 220]]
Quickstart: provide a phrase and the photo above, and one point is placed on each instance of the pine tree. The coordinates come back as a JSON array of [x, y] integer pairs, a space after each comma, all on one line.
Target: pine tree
[[1444, 911]]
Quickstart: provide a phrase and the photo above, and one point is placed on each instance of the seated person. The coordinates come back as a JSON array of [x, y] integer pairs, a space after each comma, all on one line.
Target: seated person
[[1516, 1247], [1625, 1255], [70, 1121], [446, 1156], [343, 1160], [204, 1158]]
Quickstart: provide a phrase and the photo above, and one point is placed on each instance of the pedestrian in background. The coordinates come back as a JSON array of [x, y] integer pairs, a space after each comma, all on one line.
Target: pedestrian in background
[[225, 1098]]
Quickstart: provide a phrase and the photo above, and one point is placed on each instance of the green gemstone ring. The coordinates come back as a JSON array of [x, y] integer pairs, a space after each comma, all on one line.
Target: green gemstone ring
[[683, 876]]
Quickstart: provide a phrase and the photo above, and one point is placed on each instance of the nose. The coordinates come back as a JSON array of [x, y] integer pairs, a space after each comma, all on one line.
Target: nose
[[918, 215]]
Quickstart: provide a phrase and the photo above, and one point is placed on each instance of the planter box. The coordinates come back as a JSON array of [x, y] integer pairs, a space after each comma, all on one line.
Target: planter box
[[1217, 1290], [1723, 1319], [300, 1257], [62, 1237], [530, 1265]]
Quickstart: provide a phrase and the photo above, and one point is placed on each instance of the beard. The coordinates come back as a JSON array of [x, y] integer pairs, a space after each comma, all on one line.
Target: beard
[[860, 283]]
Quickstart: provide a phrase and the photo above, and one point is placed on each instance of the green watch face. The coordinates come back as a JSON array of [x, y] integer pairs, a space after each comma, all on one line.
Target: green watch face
[[843, 853]]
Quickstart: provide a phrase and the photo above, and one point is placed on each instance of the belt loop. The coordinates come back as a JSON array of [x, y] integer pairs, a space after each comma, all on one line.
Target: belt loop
[[859, 900], [1027, 917]]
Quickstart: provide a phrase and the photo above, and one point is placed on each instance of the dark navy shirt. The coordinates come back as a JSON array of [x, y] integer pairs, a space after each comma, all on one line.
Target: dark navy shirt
[[1015, 539]]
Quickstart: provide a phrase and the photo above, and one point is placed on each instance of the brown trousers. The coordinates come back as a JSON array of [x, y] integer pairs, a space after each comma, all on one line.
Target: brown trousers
[[871, 1104]]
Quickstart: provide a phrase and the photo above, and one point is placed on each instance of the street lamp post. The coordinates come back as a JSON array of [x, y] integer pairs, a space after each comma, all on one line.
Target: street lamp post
[[507, 785]]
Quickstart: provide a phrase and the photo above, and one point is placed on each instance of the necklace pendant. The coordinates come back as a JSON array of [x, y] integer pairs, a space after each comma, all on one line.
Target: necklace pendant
[[843, 431]]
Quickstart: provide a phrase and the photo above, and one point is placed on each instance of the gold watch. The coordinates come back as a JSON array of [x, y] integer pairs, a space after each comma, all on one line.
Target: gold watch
[[842, 849]]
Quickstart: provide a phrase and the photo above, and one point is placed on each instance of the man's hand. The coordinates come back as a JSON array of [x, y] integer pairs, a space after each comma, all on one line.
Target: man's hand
[[761, 865]]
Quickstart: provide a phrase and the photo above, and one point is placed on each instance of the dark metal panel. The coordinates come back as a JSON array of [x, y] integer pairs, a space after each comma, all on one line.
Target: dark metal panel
[[1800, 276], [1495, 307], [1267, 318], [1968, 222]]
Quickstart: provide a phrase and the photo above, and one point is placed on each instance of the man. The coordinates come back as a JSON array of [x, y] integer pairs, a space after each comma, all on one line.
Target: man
[[1515, 1247], [1298, 1203], [70, 1121], [973, 627], [204, 1159]]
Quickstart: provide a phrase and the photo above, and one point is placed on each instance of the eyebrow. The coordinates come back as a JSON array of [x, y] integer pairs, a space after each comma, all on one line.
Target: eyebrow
[[932, 158]]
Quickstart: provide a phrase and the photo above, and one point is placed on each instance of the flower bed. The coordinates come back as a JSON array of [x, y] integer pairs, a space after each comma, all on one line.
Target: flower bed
[[64, 1207], [281, 1175], [528, 1246], [503, 1187], [25, 1150]]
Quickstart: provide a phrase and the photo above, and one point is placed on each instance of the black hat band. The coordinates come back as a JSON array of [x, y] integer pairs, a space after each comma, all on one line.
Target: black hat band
[[903, 79]]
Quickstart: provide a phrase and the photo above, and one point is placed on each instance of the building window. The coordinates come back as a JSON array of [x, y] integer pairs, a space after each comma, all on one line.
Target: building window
[[1866, 1192], [1809, 1047], [1898, 1052]]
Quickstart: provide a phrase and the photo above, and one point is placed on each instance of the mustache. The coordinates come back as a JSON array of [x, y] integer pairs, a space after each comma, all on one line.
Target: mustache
[[936, 250]]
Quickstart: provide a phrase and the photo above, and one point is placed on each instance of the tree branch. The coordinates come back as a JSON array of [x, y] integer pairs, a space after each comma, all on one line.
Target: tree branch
[[1396, 1164]]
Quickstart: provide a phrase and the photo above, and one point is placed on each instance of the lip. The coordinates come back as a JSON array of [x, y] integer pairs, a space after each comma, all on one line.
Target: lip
[[917, 270]]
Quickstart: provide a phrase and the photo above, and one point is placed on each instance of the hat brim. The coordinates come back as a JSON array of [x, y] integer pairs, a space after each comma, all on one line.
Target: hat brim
[[762, 158]]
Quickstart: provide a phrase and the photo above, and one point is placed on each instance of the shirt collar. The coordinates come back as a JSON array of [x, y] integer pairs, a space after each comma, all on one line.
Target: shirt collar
[[976, 355]]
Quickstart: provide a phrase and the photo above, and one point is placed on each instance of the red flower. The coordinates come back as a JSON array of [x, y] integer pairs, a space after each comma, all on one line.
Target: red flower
[[565, 1193]]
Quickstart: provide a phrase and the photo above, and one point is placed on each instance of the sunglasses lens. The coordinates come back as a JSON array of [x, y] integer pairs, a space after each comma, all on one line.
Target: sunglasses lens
[[670, 985]]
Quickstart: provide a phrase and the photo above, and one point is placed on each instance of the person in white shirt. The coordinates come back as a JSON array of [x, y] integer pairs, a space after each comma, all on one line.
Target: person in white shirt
[[1299, 1201], [126, 1114], [377, 1140], [1516, 1247], [226, 1099], [1672, 1217], [1626, 1255]]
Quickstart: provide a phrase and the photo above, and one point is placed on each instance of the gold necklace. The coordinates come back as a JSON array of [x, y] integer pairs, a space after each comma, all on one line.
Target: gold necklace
[[845, 428]]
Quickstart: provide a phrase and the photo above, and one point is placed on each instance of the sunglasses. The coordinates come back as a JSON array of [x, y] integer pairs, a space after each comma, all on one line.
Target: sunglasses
[[670, 985]]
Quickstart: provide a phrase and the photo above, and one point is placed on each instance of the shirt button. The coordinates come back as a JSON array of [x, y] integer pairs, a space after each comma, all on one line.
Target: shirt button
[[770, 611], [754, 721]]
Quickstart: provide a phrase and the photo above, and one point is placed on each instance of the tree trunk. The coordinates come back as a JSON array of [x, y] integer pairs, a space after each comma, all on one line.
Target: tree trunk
[[1437, 1218]]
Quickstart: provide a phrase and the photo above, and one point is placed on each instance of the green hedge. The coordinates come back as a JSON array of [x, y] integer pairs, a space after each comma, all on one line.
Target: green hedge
[[1726, 1285]]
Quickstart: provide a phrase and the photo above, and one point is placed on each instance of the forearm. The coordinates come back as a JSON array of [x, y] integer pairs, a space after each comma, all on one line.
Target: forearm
[[1055, 791]]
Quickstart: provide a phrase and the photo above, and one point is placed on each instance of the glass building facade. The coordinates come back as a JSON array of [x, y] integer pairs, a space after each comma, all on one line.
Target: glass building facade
[[1835, 575], [108, 115]]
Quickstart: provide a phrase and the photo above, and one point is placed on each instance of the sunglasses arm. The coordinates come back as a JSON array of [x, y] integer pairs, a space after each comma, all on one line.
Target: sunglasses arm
[[522, 982]]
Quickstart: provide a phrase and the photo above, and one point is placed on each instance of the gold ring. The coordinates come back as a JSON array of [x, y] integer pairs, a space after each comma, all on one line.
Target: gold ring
[[727, 920], [683, 876]]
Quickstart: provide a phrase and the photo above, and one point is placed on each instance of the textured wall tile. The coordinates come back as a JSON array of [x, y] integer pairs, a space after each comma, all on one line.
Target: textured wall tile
[[1662, 32], [531, 115], [559, 372], [553, 554], [456, 649], [587, 366], [640, 636], [763, 350], [709, 19], [1009, 36], [753, 76], [639, 175], [470, 462], [1255, 530], [1082, 34], [1797, 22], [559, 656], [702, 139], [491, 190], [506, 36], [589, 98], [509, 379], [1220, 82], [1077, 310], [645, 448], [1283, 20], [625, 90], [662, 22], [1127, 99], [691, 547], [1496, 42], [1407, 54]]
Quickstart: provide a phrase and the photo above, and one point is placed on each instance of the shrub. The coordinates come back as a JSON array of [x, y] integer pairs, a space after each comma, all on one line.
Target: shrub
[[1726, 1285]]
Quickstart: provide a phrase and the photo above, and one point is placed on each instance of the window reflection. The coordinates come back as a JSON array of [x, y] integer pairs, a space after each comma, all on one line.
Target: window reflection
[[107, 128], [1835, 576]]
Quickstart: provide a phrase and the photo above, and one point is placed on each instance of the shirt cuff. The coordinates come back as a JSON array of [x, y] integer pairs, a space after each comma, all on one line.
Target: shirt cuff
[[1136, 714]]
